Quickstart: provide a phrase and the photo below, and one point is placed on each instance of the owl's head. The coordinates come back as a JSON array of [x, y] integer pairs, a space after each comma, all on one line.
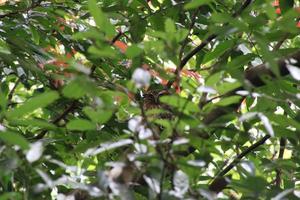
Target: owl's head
[[154, 95]]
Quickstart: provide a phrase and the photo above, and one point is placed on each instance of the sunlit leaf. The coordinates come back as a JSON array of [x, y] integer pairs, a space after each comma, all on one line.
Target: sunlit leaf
[[107, 146], [81, 125], [180, 103], [152, 183], [33, 122], [32, 104], [35, 152], [196, 3], [100, 18], [218, 51], [181, 183], [4, 48], [294, 71], [228, 100], [13, 138], [98, 116], [267, 124], [133, 51]]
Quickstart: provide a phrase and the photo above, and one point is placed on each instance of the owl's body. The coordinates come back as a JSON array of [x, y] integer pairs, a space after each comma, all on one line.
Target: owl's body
[[151, 101]]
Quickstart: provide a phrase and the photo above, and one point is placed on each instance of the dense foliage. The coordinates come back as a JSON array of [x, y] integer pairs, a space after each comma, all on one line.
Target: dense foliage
[[157, 99]]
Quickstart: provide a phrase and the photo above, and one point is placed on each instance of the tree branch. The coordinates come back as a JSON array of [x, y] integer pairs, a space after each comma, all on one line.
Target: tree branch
[[215, 186], [116, 37], [242, 8], [253, 75]]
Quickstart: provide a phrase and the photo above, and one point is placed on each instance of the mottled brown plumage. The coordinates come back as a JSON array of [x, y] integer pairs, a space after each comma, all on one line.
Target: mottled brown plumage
[[80, 194], [151, 101]]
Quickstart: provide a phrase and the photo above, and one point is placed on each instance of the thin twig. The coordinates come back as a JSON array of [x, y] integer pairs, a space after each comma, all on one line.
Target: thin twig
[[55, 121], [186, 39], [195, 51], [280, 42], [11, 93], [116, 37], [161, 182], [253, 46], [280, 156], [242, 8], [188, 57]]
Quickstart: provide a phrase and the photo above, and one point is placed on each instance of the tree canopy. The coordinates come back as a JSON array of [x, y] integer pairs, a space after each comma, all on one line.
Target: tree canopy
[[149, 99]]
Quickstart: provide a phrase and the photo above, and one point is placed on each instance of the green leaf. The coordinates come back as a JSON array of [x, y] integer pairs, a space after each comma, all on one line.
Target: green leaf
[[283, 121], [105, 52], [3, 101], [240, 61], [266, 53], [180, 103], [80, 125], [35, 35], [3, 47], [170, 26], [196, 3], [10, 195], [74, 90], [137, 28], [133, 51], [283, 132], [218, 51], [13, 138], [181, 34], [100, 18], [228, 101], [79, 87], [251, 184], [213, 79], [227, 87], [221, 17], [33, 122], [32, 104], [98, 116]]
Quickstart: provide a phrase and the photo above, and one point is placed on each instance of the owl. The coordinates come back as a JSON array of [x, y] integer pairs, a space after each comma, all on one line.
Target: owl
[[151, 101]]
